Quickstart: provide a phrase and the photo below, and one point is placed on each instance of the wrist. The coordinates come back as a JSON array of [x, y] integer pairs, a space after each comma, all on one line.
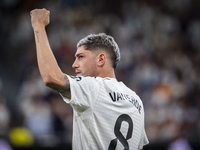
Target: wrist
[[38, 26]]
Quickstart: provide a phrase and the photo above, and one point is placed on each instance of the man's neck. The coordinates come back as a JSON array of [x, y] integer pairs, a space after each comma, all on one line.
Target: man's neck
[[107, 74]]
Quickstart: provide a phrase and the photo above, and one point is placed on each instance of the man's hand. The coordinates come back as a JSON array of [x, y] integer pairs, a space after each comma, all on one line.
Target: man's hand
[[39, 17]]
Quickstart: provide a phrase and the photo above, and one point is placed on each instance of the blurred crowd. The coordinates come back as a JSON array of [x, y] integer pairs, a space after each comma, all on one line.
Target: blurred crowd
[[160, 60]]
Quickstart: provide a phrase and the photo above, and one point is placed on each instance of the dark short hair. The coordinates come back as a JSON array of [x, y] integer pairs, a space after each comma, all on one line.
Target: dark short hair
[[102, 41]]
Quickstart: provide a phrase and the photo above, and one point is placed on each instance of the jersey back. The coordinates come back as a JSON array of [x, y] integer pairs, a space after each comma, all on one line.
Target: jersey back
[[107, 115]]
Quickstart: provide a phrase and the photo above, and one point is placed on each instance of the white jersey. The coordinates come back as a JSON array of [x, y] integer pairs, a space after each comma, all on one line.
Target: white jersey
[[107, 115]]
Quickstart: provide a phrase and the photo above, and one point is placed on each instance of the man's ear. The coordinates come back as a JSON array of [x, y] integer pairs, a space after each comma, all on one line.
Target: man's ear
[[101, 60]]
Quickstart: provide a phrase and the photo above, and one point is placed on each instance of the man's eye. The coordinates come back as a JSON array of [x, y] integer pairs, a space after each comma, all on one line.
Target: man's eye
[[80, 57]]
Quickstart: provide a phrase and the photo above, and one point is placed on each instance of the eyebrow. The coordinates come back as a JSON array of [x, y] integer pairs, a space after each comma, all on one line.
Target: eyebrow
[[77, 55]]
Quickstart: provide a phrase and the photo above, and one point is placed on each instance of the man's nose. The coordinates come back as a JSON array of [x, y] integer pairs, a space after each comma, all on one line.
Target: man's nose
[[75, 64]]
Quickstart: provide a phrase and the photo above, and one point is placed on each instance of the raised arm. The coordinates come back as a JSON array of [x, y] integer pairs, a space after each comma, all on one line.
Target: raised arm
[[51, 73]]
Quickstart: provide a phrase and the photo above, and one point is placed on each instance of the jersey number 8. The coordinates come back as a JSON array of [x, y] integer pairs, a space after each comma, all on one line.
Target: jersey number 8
[[118, 134]]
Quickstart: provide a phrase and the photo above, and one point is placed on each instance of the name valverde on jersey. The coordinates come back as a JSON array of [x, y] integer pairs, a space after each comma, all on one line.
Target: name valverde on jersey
[[116, 96]]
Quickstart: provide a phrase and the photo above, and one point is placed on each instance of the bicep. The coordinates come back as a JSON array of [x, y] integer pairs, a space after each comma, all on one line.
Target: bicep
[[62, 88]]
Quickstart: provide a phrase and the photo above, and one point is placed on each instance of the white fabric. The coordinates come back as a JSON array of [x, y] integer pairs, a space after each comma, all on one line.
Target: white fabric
[[97, 104]]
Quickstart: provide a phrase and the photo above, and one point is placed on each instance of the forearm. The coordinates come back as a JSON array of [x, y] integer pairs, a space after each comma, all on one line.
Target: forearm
[[49, 69]]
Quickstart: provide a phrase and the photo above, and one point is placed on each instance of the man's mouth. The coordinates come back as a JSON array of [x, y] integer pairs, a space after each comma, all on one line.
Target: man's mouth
[[78, 73]]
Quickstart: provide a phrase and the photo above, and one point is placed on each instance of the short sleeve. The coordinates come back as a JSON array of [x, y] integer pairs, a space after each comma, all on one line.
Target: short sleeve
[[84, 91]]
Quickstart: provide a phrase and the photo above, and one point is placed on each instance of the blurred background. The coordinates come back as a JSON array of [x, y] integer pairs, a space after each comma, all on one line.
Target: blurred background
[[160, 50]]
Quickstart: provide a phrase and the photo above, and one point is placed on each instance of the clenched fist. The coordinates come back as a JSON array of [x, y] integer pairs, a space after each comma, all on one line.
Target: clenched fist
[[39, 17]]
